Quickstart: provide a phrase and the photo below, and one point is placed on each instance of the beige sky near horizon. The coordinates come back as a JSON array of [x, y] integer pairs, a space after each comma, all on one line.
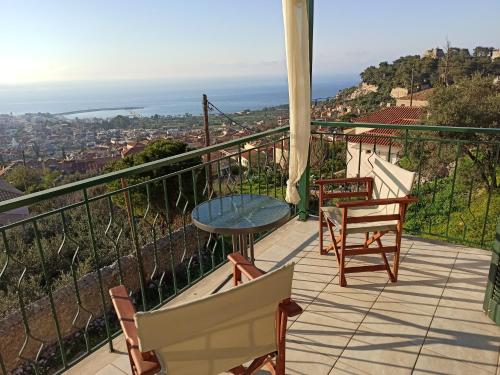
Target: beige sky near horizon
[[70, 40]]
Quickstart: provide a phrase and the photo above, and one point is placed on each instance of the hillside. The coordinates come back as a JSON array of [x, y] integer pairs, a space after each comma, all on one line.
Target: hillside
[[433, 68]]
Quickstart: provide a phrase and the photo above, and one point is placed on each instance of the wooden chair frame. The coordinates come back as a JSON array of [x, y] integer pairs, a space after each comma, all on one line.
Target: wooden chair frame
[[339, 243], [147, 363]]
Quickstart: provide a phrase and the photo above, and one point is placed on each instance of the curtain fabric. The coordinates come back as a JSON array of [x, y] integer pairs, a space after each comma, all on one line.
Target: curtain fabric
[[295, 16]]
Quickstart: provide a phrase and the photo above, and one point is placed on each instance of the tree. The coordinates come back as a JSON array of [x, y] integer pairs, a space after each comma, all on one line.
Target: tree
[[25, 179], [471, 102], [180, 190], [31, 180], [482, 51]]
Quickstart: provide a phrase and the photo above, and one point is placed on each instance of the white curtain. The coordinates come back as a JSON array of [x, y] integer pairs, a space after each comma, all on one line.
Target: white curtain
[[295, 16]]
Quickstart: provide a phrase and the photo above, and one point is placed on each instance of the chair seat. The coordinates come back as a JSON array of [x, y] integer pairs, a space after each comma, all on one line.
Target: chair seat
[[334, 214]]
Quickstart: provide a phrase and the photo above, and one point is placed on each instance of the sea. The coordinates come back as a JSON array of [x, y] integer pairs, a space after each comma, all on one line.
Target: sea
[[157, 97]]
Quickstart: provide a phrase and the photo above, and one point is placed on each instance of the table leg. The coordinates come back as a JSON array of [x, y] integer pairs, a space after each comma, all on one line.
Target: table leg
[[242, 243], [252, 254], [236, 243]]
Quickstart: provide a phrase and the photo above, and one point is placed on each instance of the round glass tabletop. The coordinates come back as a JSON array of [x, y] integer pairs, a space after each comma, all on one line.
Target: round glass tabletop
[[240, 214]]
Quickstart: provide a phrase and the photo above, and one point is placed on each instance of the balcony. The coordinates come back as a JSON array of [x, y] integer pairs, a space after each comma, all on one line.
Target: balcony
[[133, 227], [430, 320]]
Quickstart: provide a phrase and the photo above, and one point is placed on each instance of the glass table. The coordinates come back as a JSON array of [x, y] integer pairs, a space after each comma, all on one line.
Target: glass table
[[241, 216]]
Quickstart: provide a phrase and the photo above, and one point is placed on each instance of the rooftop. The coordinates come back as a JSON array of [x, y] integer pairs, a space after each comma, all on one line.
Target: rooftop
[[8, 191], [392, 115], [389, 115], [429, 322]]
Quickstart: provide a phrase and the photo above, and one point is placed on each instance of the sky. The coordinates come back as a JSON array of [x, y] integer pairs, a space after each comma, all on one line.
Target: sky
[[96, 40]]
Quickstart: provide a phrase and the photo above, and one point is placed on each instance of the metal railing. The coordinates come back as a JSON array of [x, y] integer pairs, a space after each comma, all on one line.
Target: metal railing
[[130, 226]]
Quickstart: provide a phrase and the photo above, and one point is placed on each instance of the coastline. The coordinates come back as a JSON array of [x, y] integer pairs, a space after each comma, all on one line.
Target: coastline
[[96, 110], [147, 99]]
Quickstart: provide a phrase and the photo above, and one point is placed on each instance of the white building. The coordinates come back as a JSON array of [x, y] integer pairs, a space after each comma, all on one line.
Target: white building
[[362, 142]]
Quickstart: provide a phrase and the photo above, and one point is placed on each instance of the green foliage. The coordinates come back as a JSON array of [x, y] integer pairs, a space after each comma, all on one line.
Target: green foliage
[[347, 117], [327, 158], [465, 200], [31, 180], [267, 181], [371, 102], [471, 102], [59, 251], [111, 232], [457, 64], [180, 189]]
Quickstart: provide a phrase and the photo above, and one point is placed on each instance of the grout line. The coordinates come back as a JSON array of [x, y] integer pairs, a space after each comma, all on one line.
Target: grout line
[[326, 284], [367, 312], [498, 362], [434, 313]]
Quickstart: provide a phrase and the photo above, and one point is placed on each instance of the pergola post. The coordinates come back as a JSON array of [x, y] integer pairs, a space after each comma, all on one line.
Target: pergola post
[[304, 182]]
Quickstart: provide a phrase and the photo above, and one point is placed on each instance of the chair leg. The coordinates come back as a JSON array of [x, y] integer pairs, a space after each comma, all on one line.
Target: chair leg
[[342, 279], [132, 367], [386, 262], [334, 244], [279, 368], [395, 266], [321, 250]]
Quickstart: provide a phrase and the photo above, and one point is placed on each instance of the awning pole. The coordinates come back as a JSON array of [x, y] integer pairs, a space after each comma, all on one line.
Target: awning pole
[[304, 179]]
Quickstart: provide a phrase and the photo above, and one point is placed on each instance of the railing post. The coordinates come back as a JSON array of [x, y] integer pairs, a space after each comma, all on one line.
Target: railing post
[[304, 191]]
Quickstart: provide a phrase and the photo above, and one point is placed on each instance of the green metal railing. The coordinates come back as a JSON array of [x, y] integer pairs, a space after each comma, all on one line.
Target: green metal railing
[[132, 227], [457, 172]]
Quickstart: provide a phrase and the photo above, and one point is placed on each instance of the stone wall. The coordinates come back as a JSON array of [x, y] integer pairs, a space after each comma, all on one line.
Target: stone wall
[[39, 314]]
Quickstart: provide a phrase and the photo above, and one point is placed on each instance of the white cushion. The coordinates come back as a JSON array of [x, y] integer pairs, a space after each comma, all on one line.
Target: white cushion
[[334, 214]]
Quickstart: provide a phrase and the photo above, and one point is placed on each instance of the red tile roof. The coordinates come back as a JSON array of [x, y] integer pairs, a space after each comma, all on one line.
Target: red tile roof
[[8, 191], [379, 137], [392, 115], [133, 148], [389, 115]]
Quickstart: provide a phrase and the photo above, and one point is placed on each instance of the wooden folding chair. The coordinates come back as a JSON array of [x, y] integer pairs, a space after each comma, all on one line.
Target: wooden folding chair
[[213, 334], [386, 198]]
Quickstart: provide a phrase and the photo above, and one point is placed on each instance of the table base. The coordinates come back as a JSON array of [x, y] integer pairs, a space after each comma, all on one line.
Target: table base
[[243, 243]]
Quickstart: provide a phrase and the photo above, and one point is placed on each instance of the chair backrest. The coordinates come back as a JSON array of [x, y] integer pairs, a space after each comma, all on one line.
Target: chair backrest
[[218, 332], [389, 181]]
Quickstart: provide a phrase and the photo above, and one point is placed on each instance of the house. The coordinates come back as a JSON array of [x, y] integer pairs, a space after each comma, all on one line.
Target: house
[[8, 191], [361, 142], [399, 92], [418, 99], [249, 157], [433, 53], [132, 148], [495, 54]]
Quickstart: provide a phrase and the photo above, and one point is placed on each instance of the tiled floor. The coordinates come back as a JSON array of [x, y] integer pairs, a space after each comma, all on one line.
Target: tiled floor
[[429, 322]]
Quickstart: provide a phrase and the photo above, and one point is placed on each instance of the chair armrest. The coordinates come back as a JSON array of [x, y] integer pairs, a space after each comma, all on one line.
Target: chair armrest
[[290, 308], [350, 180], [244, 266], [377, 202], [125, 312], [144, 362]]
